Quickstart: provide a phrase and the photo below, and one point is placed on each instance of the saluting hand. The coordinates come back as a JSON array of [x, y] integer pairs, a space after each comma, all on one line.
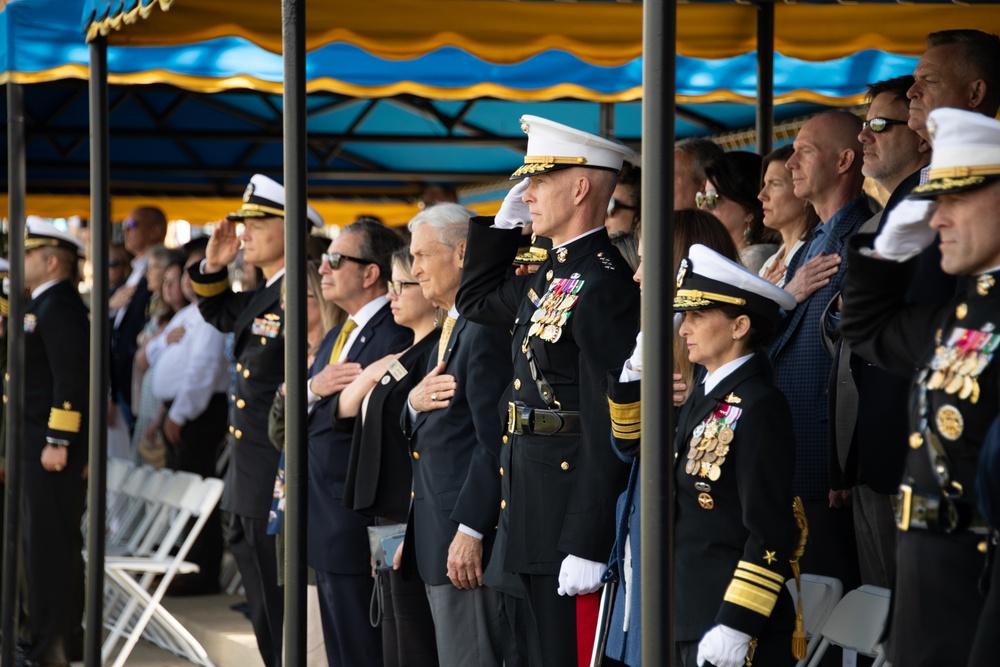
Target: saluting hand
[[434, 391], [222, 247], [465, 561]]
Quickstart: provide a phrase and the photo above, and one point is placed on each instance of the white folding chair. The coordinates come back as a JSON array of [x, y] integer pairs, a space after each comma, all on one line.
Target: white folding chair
[[856, 624], [187, 501], [820, 596]]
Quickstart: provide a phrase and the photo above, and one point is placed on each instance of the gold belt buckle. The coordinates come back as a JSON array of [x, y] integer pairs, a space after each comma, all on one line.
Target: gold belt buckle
[[511, 417], [905, 506]]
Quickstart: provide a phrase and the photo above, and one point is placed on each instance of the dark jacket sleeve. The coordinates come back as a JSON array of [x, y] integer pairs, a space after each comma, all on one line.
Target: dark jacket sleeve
[[218, 303], [487, 295], [876, 320], [624, 405], [68, 349]]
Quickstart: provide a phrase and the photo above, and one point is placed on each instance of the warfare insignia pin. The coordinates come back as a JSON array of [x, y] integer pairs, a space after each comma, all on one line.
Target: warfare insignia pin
[[733, 398]]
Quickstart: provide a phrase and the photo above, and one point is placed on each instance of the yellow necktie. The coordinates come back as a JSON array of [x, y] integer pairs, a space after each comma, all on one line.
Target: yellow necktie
[[446, 329], [338, 345]]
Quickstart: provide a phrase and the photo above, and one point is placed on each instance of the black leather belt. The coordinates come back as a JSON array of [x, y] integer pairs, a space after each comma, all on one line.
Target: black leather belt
[[937, 513], [525, 420]]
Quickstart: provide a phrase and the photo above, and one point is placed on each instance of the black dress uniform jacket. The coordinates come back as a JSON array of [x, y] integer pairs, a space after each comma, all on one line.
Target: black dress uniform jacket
[[57, 388], [455, 451], [562, 489], [734, 536], [936, 597], [124, 341], [257, 320]]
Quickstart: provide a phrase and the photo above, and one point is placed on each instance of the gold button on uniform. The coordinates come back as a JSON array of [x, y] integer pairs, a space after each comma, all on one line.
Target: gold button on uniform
[[239, 366], [241, 404], [416, 455], [564, 465], [263, 341], [982, 547], [503, 504], [916, 440], [246, 372], [505, 440], [517, 383], [548, 274], [501, 472], [232, 429], [238, 434], [232, 397]]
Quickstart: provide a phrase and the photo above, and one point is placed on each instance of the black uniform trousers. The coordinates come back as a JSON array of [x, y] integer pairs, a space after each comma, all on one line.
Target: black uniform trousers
[[555, 620], [254, 551]]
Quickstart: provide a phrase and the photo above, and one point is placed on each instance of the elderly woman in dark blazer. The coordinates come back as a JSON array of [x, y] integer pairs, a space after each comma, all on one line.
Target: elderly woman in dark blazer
[[379, 476]]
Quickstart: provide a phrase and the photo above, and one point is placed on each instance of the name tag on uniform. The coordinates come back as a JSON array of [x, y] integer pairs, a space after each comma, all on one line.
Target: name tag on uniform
[[268, 326]]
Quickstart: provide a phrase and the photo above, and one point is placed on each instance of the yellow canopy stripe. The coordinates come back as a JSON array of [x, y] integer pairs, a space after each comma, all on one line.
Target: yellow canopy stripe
[[506, 32]]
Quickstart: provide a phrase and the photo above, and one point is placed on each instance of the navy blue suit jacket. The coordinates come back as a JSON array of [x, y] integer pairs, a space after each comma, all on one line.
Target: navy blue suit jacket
[[802, 365], [123, 342], [338, 536], [456, 465]]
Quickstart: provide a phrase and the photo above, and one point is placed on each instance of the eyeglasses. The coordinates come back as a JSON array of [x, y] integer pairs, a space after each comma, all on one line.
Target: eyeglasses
[[709, 199], [114, 262], [396, 286], [879, 124], [129, 224], [333, 260], [615, 204]]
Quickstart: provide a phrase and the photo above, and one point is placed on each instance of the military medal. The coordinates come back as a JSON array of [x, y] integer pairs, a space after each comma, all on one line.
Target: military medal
[[950, 422], [30, 322], [710, 442], [706, 501]]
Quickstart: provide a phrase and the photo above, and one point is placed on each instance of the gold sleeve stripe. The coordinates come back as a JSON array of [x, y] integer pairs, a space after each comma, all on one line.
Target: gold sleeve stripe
[[750, 597], [760, 581], [762, 571], [623, 434], [65, 420], [624, 413], [210, 289], [626, 428]]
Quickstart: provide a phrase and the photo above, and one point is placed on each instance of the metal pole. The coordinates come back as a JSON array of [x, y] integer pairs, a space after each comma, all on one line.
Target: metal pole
[[656, 459], [765, 76], [100, 346], [607, 119], [16, 184], [293, 19]]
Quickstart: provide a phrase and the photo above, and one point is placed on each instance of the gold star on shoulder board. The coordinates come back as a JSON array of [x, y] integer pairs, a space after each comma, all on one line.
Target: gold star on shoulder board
[[769, 557], [733, 398], [67, 406]]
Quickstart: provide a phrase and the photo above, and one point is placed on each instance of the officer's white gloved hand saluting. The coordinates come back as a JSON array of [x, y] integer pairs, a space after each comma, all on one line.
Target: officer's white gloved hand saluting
[[578, 576], [513, 211], [723, 647], [907, 231]]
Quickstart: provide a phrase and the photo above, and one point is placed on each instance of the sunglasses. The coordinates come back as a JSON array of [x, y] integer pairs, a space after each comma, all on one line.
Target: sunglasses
[[396, 286], [333, 260], [614, 205], [709, 199], [129, 224], [114, 262], [879, 124]]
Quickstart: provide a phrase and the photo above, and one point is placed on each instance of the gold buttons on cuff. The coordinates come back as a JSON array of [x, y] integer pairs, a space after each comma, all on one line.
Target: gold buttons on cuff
[[564, 465], [517, 383], [503, 504], [241, 404], [238, 434], [416, 455]]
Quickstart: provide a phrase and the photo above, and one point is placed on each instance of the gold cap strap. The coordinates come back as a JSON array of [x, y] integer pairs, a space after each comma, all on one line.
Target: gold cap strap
[[699, 295], [962, 172]]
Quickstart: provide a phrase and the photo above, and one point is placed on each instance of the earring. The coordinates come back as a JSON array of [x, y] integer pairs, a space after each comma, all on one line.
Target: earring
[[748, 235], [734, 336]]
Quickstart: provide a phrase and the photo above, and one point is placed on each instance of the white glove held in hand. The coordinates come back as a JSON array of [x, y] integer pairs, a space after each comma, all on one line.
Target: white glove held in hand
[[513, 211], [723, 647], [635, 361], [578, 575], [907, 231]]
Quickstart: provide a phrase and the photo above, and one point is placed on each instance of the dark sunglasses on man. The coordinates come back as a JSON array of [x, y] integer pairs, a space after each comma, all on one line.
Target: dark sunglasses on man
[[879, 125], [614, 205], [333, 260]]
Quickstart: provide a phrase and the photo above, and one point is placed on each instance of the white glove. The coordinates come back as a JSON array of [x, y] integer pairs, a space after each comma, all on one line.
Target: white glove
[[635, 361], [723, 647], [579, 575], [907, 231], [513, 211]]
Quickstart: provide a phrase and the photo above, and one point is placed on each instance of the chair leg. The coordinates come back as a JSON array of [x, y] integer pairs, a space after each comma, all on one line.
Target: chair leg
[[820, 651]]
